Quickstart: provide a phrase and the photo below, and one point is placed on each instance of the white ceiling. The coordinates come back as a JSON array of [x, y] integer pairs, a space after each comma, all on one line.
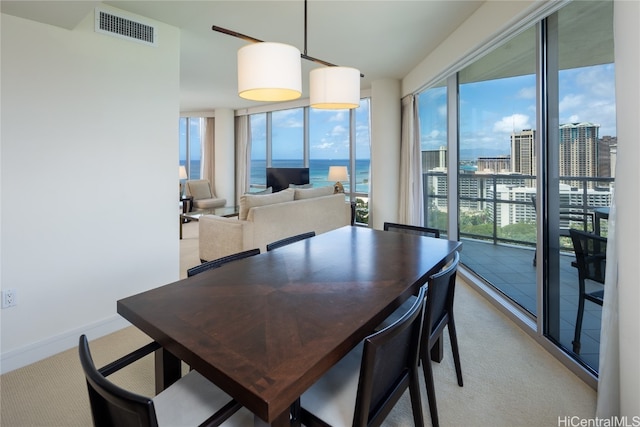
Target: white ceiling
[[383, 39]]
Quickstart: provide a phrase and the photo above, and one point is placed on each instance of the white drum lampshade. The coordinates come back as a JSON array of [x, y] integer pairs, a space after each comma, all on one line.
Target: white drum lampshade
[[334, 87], [269, 72]]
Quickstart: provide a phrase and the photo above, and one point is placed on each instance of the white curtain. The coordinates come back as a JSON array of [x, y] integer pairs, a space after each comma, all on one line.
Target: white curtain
[[243, 155], [608, 405], [411, 209], [207, 149]]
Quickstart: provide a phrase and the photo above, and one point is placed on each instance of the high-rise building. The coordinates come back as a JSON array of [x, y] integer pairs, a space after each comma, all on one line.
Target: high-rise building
[[579, 150], [607, 146], [434, 159], [523, 152], [499, 164]]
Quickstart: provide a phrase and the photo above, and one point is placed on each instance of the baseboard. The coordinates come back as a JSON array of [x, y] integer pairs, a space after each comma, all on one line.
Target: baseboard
[[50, 346]]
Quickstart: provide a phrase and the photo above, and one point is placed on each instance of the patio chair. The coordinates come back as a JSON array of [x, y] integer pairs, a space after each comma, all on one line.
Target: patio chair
[[363, 387], [591, 260], [191, 401], [568, 215]]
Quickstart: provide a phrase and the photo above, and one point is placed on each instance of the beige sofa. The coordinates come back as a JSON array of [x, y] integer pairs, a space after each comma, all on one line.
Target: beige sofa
[[266, 218]]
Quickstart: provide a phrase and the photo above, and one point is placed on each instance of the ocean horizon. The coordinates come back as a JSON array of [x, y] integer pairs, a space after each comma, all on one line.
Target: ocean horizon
[[318, 172]]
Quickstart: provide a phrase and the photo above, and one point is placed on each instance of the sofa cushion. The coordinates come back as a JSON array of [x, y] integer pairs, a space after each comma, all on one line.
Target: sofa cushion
[[248, 201], [309, 193]]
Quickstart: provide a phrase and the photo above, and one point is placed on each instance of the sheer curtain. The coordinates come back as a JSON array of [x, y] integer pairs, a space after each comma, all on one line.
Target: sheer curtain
[[609, 367], [243, 155], [207, 144], [411, 209]]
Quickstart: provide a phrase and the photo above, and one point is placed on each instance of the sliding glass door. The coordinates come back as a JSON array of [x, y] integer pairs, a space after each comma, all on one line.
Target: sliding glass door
[[536, 148]]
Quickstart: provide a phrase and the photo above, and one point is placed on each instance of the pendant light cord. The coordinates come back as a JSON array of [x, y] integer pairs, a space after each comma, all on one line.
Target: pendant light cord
[[250, 39]]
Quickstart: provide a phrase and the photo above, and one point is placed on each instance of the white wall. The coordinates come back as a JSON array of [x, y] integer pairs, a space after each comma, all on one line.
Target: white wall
[[225, 155], [627, 54], [385, 151], [89, 180]]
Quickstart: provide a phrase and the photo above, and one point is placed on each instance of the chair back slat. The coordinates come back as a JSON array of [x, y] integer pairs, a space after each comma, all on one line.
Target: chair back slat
[[209, 265], [411, 229], [288, 240]]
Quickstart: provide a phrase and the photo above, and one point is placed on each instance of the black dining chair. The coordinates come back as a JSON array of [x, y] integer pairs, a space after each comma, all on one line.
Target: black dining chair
[[208, 265], [364, 386], [438, 314], [411, 229], [591, 261], [191, 401], [286, 241]]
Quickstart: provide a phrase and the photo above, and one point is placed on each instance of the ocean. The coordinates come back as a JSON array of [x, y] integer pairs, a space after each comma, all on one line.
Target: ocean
[[318, 172]]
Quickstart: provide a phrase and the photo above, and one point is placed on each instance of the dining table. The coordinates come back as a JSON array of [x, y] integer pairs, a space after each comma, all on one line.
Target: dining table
[[265, 328]]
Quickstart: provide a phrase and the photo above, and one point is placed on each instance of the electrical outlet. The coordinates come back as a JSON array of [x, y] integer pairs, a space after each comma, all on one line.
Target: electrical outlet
[[9, 298]]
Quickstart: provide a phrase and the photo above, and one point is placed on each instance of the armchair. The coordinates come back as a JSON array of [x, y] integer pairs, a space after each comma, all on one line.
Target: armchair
[[203, 195]]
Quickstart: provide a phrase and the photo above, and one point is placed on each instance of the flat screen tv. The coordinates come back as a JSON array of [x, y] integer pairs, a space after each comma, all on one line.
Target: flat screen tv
[[280, 178]]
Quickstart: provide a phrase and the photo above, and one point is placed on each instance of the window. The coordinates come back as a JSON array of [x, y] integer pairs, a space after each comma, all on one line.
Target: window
[[335, 138], [507, 157], [189, 145], [432, 105]]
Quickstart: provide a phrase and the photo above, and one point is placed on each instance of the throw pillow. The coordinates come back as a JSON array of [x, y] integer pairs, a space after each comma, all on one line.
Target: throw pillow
[[309, 193], [248, 201]]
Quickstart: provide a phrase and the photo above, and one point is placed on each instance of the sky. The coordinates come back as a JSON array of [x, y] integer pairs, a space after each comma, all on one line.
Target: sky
[[328, 133], [491, 110]]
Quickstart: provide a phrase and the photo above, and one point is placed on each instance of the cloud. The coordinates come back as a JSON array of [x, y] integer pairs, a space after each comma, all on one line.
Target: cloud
[[527, 93], [338, 130], [288, 118], [512, 123]]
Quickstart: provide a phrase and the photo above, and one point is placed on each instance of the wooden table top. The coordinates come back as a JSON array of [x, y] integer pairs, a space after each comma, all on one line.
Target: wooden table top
[[265, 328]]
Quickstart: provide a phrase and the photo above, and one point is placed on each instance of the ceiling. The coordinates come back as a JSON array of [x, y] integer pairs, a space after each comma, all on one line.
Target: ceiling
[[383, 39]]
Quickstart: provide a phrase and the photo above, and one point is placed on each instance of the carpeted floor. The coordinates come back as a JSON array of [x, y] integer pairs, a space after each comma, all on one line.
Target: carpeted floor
[[509, 380]]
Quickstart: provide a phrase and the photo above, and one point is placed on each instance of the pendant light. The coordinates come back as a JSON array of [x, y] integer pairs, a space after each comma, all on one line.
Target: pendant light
[[334, 88], [271, 72]]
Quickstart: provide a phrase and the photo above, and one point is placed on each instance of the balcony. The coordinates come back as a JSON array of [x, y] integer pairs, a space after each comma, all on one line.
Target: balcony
[[497, 222]]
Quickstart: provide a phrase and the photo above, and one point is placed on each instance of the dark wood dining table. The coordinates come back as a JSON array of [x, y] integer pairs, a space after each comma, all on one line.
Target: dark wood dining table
[[265, 328]]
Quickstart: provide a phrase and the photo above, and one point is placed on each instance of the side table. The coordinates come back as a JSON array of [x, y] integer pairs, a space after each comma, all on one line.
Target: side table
[[187, 204]]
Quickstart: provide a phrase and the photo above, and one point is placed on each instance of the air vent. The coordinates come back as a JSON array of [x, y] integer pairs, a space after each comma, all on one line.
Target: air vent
[[122, 27]]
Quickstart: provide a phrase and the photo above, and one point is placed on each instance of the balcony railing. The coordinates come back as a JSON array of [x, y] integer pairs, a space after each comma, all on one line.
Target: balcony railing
[[499, 207]]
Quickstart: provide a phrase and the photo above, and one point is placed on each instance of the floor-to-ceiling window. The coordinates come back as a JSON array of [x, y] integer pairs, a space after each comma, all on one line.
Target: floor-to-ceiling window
[[432, 104], [190, 152], [497, 164], [581, 162], [536, 143], [317, 139]]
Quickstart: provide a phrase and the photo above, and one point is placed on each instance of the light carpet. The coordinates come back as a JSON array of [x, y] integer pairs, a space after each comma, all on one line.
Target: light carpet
[[509, 380]]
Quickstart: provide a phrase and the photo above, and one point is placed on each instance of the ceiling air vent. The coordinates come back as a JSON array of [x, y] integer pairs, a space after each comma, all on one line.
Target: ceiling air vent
[[122, 27]]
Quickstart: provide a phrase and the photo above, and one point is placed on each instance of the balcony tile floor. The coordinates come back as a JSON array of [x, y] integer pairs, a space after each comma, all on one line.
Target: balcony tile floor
[[510, 270]]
